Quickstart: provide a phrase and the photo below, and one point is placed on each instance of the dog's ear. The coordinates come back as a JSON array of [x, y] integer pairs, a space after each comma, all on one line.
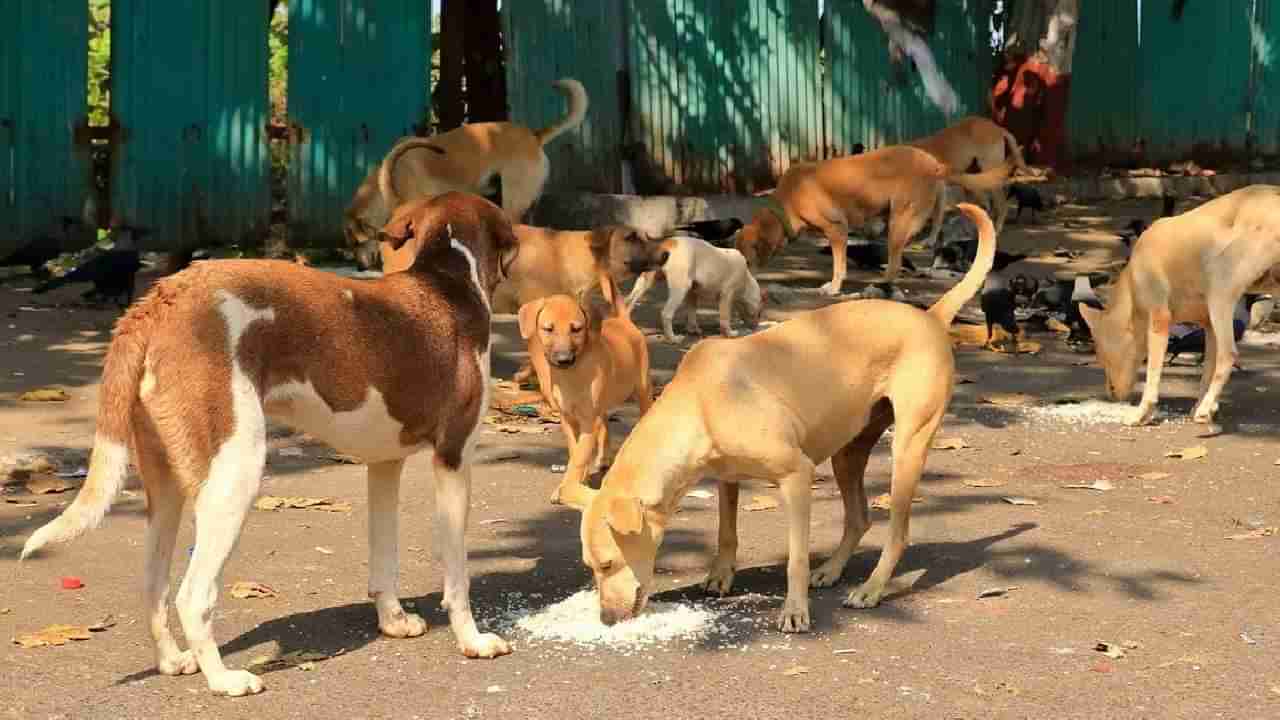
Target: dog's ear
[[625, 515], [601, 240], [398, 230], [528, 317], [577, 496]]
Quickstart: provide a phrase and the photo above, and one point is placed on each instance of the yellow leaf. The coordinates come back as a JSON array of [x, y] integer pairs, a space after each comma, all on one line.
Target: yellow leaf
[[797, 670], [53, 635], [762, 502], [984, 482], [1189, 453], [246, 589], [45, 395], [950, 444]]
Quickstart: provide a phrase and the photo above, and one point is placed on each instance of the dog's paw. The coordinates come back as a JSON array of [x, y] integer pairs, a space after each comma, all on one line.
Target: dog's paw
[[719, 578], [1204, 412], [865, 597], [1139, 416], [675, 339], [484, 645], [407, 625], [830, 289], [826, 575], [728, 332], [236, 683], [184, 663], [794, 617]]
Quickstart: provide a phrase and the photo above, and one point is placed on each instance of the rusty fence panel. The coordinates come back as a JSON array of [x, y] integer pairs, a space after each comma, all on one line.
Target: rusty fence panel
[[44, 161], [358, 75]]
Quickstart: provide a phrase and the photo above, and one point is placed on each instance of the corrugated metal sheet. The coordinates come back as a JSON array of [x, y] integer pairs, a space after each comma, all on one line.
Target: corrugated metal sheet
[[877, 102], [358, 75], [722, 101], [189, 86], [1194, 77], [1266, 94], [44, 175], [1102, 112], [545, 41]]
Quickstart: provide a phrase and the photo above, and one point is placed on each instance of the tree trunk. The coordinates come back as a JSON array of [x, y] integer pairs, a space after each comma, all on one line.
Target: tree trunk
[[485, 67], [447, 99], [1030, 93]]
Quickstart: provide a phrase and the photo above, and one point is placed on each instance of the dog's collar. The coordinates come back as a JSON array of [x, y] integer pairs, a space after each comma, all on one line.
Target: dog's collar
[[776, 208]]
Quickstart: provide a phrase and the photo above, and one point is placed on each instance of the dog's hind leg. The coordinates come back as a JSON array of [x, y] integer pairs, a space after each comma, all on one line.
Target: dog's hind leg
[[1157, 346], [838, 236], [728, 295], [235, 473], [453, 503], [1000, 208], [850, 466], [939, 211], [676, 296], [165, 501], [720, 576], [384, 552], [913, 433]]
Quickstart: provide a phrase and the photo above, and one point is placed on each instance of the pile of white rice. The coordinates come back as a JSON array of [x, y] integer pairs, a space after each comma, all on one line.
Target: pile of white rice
[[576, 621], [1089, 412]]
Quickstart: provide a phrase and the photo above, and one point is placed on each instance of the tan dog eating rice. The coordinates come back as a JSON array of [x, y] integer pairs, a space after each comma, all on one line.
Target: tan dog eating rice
[[772, 406]]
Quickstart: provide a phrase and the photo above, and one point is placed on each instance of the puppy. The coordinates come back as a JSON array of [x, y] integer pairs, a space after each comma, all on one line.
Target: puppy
[[1190, 268], [505, 160], [380, 369], [585, 369], [825, 384], [695, 269], [833, 196]]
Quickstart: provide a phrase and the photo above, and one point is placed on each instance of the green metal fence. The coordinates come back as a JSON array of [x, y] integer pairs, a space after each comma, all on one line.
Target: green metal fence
[[44, 171]]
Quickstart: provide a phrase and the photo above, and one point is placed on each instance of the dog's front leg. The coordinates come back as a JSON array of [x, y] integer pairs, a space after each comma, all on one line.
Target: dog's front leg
[[453, 503], [1157, 345], [720, 576], [581, 443], [384, 552], [796, 494], [839, 238], [640, 288]]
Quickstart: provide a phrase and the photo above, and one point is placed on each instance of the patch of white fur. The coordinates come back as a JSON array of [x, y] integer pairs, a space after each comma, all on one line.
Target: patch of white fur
[[350, 296], [368, 432], [475, 272]]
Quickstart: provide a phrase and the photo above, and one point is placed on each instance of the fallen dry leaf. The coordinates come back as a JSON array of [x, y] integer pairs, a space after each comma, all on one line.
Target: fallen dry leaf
[[46, 484], [950, 444], [246, 589], [1099, 485], [1194, 452], [1020, 501], [1008, 399], [1111, 650], [53, 635], [323, 550], [797, 670], [1153, 476], [762, 502], [21, 503], [107, 622], [984, 482], [302, 659], [701, 494], [885, 500], [997, 592], [45, 395], [271, 502], [493, 521], [962, 380], [1161, 499], [1254, 534], [345, 459]]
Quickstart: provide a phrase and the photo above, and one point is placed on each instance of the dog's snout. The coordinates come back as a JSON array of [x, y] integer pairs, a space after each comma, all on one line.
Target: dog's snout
[[563, 358], [638, 265], [611, 617]]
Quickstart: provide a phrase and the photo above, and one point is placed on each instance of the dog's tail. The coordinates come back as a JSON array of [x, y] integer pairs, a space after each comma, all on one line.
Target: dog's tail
[[577, 96], [109, 463], [1013, 151], [386, 173], [949, 304], [984, 181]]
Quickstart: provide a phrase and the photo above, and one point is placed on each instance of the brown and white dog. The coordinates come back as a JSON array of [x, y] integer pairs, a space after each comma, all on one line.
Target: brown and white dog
[[974, 143], [835, 195], [774, 405], [505, 160], [1193, 268], [379, 369], [585, 369], [695, 269]]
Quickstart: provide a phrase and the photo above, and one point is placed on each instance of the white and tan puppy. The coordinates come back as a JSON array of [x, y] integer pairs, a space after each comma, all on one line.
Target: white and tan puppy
[[975, 143], [378, 369], [834, 196], [695, 269], [1192, 268], [772, 406], [504, 160], [585, 369]]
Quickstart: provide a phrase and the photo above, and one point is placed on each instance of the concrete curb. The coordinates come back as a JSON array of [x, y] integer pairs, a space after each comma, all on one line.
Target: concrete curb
[[657, 213]]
